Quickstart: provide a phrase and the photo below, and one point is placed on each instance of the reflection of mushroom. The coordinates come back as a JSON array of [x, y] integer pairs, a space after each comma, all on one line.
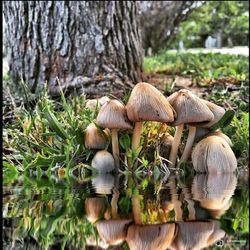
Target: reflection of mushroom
[[103, 161], [218, 112], [214, 191], [113, 232], [189, 109], [213, 155], [113, 115], [146, 103], [94, 208], [103, 183], [94, 138], [92, 241], [196, 235], [150, 237], [142, 237]]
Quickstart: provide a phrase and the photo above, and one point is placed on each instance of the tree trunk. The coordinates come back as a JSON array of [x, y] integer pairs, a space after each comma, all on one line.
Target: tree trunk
[[92, 45], [219, 39]]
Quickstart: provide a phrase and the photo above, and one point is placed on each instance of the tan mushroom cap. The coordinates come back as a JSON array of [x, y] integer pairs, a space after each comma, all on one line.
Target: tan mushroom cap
[[189, 108], [222, 135], [113, 115], [217, 111], [146, 103], [94, 208], [148, 237], [113, 232], [196, 235], [94, 138], [213, 155], [103, 161]]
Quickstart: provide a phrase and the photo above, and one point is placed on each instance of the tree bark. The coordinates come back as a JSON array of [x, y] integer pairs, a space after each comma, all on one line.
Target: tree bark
[[92, 45], [219, 39]]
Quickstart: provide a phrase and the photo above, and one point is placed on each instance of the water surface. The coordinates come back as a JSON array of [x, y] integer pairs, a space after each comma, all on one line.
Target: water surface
[[119, 212]]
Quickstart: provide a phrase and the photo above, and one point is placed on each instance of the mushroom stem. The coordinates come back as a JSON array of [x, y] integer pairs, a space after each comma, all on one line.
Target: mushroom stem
[[136, 207], [115, 149], [176, 143], [114, 207], [137, 135], [189, 144]]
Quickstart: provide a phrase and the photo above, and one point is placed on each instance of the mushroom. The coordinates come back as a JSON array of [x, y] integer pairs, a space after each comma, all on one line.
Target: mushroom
[[113, 232], [103, 100], [113, 115], [146, 103], [94, 208], [148, 237], [196, 235], [189, 109], [204, 132], [214, 191], [103, 161], [223, 136], [213, 155], [95, 138], [103, 183], [218, 112], [92, 241], [92, 104], [95, 104]]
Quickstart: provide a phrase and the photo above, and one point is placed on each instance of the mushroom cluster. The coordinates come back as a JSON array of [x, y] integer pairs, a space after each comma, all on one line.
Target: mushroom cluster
[[212, 152]]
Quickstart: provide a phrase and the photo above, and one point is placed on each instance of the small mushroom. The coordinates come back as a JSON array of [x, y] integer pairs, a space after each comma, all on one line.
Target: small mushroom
[[95, 208], [113, 232], [213, 155], [190, 109], [103, 161], [113, 115], [95, 138], [103, 100], [103, 183], [223, 136], [165, 145], [146, 103], [92, 104], [96, 104]]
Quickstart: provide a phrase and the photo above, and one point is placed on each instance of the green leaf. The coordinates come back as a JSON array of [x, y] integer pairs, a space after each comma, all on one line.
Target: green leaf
[[54, 123], [224, 121], [10, 173], [125, 141], [45, 161], [124, 205]]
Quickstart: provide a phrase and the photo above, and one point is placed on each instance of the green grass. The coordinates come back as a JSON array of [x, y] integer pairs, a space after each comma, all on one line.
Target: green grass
[[203, 67]]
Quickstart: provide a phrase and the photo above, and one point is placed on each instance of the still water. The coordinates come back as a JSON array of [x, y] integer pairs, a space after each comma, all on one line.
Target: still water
[[124, 212]]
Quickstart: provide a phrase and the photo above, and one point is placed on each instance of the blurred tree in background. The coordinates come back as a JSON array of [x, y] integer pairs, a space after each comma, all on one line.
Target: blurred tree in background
[[160, 21], [227, 21]]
